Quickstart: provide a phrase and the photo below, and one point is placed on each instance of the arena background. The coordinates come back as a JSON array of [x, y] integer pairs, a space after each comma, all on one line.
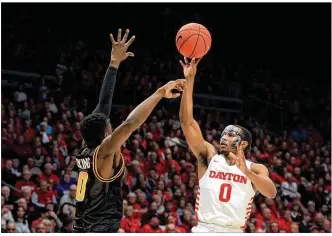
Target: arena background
[[268, 70]]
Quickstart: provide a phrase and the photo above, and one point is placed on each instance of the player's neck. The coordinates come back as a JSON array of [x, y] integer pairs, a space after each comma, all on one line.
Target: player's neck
[[230, 161]]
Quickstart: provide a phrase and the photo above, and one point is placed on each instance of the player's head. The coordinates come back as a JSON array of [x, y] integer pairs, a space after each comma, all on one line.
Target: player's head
[[94, 128], [233, 136]]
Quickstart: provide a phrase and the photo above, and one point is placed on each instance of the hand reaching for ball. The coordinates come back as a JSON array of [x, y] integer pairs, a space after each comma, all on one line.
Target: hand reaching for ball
[[190, 68], [178, 85]]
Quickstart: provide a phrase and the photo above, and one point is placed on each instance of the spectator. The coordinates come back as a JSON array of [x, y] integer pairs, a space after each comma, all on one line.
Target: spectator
[[319, 222], [274, 227], [186, 221], [49, 219], [48, 175], [152, 226], [11, 228], [128, 223], [172, 220], [27, 193], [305, 225], [43, 195], [6, 215], [40, 228], [69, 198], [20, 95], [152, 211], [45, 131], [288, 187], [22, 149], [7, 175], [25, 182], [170, 228], [299, 134], [21, 222], [294, 228]]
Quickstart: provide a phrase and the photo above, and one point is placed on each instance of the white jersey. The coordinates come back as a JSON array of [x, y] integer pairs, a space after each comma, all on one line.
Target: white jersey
[[224, 199]]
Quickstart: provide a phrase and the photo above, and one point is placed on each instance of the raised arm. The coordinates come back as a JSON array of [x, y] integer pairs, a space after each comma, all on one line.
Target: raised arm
[[118, 54], [137, 117], [190, 127]]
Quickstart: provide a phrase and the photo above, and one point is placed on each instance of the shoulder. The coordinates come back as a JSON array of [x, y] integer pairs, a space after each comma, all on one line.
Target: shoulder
[[210, 151]]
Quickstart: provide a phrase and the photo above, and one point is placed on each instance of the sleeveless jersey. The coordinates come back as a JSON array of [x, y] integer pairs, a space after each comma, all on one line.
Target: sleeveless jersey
[[98, 200], [224, 198]]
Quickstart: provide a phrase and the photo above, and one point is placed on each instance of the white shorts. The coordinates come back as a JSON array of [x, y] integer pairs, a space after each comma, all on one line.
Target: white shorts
[[209, 228]]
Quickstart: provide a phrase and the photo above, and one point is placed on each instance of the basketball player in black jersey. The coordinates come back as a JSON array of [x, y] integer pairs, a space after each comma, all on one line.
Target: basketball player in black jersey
[[101, 166]]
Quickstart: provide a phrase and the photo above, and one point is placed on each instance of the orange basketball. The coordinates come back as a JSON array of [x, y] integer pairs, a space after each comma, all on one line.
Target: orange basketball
[[193, 40]]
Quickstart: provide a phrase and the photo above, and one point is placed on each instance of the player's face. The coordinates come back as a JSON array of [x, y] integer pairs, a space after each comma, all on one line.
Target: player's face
[[230, 138]]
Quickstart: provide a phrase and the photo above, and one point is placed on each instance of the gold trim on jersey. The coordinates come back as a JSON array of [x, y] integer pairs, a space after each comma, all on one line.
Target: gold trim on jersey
[[95, 171]]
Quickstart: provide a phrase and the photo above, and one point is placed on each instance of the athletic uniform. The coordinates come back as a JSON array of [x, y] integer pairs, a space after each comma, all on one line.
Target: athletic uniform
[[224, 199], [98, 200]]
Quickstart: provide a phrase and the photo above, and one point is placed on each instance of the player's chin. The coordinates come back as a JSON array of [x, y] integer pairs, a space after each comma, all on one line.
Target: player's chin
[[225, 150]]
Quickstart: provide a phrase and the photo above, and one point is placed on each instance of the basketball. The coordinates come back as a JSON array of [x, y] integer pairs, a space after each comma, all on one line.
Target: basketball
[[193, 40]]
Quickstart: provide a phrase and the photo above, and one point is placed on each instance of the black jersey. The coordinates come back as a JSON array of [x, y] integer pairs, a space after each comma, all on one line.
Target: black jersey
[[98, 200]]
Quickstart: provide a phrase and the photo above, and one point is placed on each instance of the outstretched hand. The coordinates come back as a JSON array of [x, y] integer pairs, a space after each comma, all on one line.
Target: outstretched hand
[[120, 47], [189, 68], [178, 85]]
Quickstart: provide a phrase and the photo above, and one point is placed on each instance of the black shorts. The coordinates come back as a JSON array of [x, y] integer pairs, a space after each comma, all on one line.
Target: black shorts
[[109, 226]]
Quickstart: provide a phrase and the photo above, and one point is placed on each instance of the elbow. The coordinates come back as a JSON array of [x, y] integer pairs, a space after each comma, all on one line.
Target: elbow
[[186, 122], [272, 193], [129, 125]]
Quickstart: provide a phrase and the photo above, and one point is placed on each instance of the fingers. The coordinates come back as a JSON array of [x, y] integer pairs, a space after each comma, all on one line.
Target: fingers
[[198, 60], [130, 54], [125, 37], [180, 81], [176, 95], [112, 39], [180, 87], [119, 35], [131, 40], [239, 150], [185, 60], [182, 64], [192, 62]]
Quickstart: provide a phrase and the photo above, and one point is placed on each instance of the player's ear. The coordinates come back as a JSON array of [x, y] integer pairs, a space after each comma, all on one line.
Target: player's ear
[[244, 145]]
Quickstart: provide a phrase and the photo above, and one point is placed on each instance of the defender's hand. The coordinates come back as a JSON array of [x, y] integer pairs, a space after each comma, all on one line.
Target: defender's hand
[[189, 68], [166, 90], [120, 47]]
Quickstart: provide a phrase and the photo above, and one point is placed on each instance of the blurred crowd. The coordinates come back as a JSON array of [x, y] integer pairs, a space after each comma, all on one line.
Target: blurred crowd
[[41, 134]]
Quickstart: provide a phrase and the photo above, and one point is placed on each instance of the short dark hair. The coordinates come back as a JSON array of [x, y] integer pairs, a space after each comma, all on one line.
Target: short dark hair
[[246, 137], [93, 129]]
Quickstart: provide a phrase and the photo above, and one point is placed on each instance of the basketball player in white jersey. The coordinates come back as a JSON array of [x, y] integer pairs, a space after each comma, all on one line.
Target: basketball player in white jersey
[[227, 181]]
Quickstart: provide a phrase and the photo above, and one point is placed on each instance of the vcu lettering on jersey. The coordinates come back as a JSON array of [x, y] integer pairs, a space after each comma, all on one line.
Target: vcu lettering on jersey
[[98, 200], [224, 198]]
